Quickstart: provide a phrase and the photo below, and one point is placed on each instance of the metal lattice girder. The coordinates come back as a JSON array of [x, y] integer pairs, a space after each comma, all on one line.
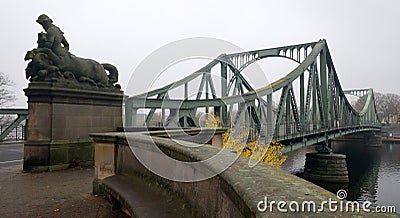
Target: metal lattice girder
[[320, 101], [153, 110], [280, 110], [309, 90], [294, 109]]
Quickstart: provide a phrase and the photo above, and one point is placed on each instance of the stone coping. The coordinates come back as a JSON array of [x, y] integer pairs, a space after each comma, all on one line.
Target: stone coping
[[68, 85], [121, 136], [47, 92], [246, 186]]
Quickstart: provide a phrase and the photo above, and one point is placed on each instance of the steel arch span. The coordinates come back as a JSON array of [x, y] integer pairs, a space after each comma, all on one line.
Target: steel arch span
[[315, 110]]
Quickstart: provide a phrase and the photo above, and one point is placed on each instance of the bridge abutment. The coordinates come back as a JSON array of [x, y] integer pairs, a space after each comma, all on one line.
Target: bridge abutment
[[60, 118]]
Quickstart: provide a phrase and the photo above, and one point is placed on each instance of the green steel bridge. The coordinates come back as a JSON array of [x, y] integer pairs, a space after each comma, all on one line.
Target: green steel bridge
[[314, 110]]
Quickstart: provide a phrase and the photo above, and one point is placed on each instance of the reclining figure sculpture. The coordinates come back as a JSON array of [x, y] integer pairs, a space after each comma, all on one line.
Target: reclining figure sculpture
[[52, 61]]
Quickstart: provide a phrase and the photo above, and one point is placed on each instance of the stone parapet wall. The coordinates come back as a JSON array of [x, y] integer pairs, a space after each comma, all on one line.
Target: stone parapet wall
[[235, 192]]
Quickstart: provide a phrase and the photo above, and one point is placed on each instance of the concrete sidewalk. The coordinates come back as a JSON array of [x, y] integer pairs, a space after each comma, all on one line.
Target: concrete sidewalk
[[52, 194]]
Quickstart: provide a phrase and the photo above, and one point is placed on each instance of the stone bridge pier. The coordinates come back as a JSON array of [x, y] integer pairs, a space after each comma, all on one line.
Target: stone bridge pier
[[326, 167], [332, 167]]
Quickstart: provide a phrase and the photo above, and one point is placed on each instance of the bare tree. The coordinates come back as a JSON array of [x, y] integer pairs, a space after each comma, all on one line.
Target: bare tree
[[380, 105], [390, 107], [359, 104], [6, 96], [387, 105]]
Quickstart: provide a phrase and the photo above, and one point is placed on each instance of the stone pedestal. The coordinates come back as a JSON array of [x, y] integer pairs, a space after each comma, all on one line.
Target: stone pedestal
[[60, 118], [326, 168]]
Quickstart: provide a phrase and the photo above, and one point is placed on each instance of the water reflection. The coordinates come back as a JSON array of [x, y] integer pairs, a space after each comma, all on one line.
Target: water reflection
[[296, 159], [363, 164], [374, 171]]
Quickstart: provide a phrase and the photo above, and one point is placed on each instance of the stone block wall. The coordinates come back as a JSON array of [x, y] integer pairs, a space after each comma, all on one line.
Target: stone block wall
[[60, 119]]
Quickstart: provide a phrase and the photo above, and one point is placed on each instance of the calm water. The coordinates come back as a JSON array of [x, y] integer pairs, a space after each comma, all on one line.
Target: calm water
[[374, 172]]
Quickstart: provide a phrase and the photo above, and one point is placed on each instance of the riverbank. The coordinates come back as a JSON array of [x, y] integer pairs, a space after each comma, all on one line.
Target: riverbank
[[390, 140]]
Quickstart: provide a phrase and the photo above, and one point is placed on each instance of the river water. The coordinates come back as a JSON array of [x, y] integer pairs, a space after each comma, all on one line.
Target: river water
[[374, 171]]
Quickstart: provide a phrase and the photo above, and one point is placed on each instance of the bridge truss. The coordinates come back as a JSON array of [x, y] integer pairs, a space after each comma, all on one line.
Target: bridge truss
[[313, 111]]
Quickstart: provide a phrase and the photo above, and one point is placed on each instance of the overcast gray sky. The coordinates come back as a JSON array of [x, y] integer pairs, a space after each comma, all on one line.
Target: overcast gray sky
[[363, 36]]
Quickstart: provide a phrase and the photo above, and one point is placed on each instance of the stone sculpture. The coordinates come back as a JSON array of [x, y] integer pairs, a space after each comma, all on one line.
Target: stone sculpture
[[52, 61]]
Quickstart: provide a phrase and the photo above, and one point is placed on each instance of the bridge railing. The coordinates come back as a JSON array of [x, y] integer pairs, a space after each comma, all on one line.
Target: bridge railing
[[290, 130]]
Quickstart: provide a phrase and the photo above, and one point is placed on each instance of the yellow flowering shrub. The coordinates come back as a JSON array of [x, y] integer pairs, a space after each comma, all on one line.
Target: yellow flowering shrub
[[270, 154], [213, 122]]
